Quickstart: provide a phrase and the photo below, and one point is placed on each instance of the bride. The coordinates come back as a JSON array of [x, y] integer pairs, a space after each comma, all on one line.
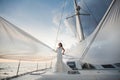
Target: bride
[[60, 65]]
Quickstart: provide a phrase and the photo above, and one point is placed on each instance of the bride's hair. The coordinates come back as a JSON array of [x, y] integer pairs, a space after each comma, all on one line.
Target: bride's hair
[[60, 44]]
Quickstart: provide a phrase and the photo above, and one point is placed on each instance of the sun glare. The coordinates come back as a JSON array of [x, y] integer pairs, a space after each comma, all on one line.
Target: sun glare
[[8, 60]]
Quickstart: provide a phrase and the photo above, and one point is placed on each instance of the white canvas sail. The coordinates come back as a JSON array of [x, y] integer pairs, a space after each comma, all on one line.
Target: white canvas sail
[[103, 45], [17, 44]]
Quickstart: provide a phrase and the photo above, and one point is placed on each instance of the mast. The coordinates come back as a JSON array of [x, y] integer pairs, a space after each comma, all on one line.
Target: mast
[[78, 22]]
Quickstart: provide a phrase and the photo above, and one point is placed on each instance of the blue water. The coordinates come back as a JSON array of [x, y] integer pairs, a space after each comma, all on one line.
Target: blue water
[[8, 69]]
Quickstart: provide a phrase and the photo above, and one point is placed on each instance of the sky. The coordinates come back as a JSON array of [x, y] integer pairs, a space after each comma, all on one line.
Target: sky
[[41, 18]]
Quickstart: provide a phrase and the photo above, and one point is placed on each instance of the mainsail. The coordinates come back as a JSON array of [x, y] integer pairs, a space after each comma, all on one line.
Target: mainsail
[[102, 46], [17, 44]]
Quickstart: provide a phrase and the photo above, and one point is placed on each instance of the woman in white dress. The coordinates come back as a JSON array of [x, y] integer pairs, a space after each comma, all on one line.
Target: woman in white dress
[[60, 66]]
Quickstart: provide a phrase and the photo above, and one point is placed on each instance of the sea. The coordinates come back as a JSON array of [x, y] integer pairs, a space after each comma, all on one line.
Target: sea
[[9, 69]]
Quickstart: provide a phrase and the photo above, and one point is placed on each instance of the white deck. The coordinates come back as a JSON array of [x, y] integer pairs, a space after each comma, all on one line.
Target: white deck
[[84, 75]]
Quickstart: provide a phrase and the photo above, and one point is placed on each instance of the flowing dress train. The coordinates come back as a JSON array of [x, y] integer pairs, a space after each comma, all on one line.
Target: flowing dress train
[[60, 65]]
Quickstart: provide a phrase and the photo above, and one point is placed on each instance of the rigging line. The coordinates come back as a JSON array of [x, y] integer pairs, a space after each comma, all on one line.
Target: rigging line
[[71, 7], [60, 23], [99, 28], [83, 7], [90, 11], [85, 11]]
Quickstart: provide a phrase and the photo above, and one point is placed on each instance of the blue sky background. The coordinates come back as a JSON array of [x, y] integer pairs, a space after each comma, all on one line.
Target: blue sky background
[[41, 18]]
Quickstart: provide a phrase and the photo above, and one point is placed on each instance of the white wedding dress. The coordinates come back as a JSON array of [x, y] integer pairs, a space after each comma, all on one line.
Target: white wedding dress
[[60, 65]]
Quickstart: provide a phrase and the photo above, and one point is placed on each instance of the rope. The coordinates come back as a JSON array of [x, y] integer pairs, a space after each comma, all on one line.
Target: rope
[[90, 11], [60, 23]]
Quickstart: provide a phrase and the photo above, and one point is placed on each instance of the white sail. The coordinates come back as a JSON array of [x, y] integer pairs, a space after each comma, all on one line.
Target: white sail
[[103, 45], [106, 44], [17, 44]]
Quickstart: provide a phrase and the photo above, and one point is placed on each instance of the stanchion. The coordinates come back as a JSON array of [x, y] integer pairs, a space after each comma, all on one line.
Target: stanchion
[[18, 67]]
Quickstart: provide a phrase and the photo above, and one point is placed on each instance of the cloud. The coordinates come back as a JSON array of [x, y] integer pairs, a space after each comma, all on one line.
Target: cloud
[[70, 24], [65, 34], [56, 19]]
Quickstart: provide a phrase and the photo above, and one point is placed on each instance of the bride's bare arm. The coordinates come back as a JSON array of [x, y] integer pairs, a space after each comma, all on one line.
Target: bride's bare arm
[[63, 51]]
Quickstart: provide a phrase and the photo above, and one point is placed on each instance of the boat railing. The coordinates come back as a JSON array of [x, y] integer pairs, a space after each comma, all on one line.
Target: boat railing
[[22, 68]]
